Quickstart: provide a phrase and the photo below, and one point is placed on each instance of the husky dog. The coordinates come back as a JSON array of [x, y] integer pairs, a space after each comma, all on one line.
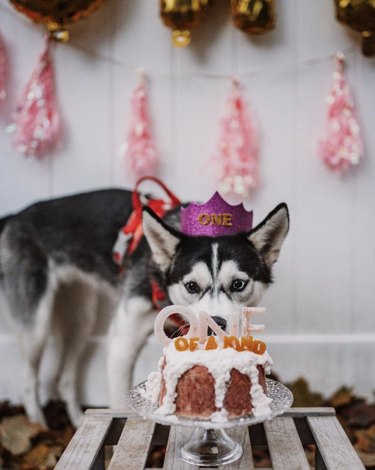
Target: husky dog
[[56, 267]]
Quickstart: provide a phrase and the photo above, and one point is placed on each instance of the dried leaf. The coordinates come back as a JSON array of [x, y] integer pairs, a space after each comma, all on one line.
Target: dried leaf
[[63, 437], [342, 397], [303, 396], [367, 459], [6, 409], [16, 433], [365, 439], [55, 437], [41, 457], [362, 416], [156, 457], [56, 415], [261, 457]]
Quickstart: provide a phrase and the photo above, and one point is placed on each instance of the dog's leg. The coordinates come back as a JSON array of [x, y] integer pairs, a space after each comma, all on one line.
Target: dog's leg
[[75, 316], [128, 332], [28, 288], [32, 343]]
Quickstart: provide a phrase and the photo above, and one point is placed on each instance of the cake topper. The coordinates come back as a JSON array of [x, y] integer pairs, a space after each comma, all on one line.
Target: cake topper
[[215, 218], [239, 324]]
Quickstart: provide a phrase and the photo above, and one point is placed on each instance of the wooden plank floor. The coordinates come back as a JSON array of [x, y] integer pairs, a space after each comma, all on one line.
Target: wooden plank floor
[[133, 438]]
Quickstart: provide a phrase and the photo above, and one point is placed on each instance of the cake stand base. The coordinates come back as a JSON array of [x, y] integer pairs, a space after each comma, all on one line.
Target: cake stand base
[[210, 448]]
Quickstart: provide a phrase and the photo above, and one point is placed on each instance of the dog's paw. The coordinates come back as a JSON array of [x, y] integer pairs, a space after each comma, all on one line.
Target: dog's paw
[[76, 416], [37, 417]]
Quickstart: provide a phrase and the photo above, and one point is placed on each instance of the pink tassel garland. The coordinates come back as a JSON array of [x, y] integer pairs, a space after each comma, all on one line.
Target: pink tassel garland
[[3, 69], [37, 124], [139, 150], [342, 146], [236, 158]]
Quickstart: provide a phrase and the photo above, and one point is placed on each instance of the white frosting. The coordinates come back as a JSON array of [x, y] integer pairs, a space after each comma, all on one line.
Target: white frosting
[[219, 363], [220, 416], [152, 391]]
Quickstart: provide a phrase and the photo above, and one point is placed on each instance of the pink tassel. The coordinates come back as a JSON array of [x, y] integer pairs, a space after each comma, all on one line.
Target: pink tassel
[[37, 124], [236, 158], [139, 149], [343, 144], [3, 69]]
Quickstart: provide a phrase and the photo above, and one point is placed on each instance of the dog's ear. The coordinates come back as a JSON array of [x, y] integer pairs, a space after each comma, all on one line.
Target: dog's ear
[[268, 236], [162, 239]]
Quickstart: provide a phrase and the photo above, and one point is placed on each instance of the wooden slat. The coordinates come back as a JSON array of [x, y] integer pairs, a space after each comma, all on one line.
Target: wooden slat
[[241, 435], [284, 445], [115, 413], [133, 446], [297, 412], [303, 412], [334, 445], [85, 445], [172, 460]]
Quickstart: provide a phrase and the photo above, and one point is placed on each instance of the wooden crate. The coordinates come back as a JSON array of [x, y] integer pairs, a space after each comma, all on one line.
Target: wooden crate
[[134, 437]]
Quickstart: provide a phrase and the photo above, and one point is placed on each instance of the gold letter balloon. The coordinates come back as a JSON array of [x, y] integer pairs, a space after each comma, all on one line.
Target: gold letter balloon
[[360, 16], [181, 16], [254, 16], [57, 14]]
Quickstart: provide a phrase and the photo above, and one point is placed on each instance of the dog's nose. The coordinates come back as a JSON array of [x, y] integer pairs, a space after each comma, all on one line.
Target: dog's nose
[[220, 321]]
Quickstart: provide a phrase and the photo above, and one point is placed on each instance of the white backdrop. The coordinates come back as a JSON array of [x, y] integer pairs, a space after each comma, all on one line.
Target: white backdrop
[[320, 320]]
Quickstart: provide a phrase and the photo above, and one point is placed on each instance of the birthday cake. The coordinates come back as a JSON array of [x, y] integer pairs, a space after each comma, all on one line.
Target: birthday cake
[[215, 377]]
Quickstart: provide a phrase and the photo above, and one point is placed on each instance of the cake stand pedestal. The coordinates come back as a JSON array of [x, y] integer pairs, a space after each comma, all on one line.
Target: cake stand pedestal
[[209, 445]]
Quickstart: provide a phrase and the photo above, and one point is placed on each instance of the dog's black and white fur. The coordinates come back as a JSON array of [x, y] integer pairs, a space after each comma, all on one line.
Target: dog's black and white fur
[[56, 266]]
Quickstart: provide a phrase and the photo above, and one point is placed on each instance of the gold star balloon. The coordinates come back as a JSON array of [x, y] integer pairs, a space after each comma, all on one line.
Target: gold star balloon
[[359, 15], [254, 16], [56, 15]]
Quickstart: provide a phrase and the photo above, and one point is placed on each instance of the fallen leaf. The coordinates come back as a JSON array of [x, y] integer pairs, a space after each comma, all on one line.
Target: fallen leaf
[[156, 457], [367, 459], [341, 397], [16, 433], [56, 415], [55, 437], [6, 409], [302, 394], [261, 457], [362, 416], [365, 439], [41, 457]]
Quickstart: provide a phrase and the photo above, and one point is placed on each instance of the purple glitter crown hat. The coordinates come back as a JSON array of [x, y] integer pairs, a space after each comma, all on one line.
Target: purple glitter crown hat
[[215, 218]]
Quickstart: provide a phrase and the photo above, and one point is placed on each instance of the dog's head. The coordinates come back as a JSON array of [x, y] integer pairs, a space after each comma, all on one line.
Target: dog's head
[[217, 274]]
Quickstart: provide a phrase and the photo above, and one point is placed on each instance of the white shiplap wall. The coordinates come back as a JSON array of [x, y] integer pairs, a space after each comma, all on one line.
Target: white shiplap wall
[[320, 320]]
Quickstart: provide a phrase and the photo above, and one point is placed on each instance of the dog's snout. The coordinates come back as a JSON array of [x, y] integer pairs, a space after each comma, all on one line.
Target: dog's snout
[[220, 321]]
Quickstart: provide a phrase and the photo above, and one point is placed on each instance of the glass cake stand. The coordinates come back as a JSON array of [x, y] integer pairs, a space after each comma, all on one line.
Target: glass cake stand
[[209, 445]]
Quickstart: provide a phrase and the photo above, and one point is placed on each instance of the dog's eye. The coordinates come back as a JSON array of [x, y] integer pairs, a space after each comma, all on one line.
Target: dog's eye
[[192, 287], [238, 285]]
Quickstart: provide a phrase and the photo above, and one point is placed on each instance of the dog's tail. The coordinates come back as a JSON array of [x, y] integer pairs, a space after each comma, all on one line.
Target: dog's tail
[[3, 222]]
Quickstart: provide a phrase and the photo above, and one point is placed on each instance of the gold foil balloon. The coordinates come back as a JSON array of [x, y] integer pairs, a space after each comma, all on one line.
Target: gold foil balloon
[[254, 16], [181, 16], [360, 16], [57, 14]]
